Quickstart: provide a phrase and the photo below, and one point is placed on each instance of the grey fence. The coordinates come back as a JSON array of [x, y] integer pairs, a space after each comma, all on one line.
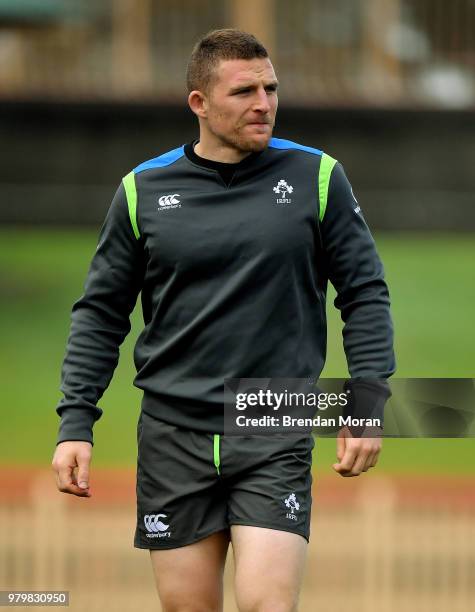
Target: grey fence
[[379, 545]]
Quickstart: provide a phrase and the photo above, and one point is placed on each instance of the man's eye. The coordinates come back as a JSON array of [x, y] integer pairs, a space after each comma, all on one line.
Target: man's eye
[[243, 91]]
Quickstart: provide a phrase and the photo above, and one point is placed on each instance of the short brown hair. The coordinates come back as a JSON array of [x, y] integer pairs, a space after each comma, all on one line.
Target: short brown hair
[[225, 44]]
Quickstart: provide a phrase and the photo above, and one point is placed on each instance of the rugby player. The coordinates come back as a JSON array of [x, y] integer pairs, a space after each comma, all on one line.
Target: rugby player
[[231, 240]]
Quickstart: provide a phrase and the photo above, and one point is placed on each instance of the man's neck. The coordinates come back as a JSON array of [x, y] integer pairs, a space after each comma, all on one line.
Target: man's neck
[[219, 152]]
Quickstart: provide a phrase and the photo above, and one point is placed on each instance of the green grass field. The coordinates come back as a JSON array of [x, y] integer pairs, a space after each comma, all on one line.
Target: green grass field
[[42, 273]]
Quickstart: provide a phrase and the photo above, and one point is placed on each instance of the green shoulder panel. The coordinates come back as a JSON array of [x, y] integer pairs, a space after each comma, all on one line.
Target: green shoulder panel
[[131, 195], [326, 166]]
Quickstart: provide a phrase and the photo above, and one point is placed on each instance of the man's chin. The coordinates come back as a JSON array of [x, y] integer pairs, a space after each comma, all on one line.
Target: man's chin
[[254, 145]]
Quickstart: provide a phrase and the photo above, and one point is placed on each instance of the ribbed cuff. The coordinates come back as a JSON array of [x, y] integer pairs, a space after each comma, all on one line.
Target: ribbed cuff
[[76, 424], [367, 398]]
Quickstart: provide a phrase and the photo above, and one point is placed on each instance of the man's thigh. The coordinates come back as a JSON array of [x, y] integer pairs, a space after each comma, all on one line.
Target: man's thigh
[[191, 577], [269, 568]]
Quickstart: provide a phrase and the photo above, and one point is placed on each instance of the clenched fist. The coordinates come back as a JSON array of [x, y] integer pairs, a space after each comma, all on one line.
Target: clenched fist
[[71, 466]]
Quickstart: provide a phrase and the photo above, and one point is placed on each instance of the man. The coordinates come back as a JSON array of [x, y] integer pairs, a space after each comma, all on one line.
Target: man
[[231, 240]]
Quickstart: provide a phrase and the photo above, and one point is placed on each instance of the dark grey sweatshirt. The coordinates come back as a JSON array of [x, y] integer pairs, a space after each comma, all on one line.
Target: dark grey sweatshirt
[[233, 277]]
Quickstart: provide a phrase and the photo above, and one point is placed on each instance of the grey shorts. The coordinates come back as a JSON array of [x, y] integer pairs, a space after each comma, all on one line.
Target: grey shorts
[[191, 484]]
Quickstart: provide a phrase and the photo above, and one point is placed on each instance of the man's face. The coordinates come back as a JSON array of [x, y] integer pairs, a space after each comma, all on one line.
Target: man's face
[[242, 103]]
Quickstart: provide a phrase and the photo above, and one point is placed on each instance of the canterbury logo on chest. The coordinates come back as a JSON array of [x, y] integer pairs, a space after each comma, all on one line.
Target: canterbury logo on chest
[[169, 201]]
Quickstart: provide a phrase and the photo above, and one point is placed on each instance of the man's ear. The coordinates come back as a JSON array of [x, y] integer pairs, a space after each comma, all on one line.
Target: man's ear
[[198, 103]]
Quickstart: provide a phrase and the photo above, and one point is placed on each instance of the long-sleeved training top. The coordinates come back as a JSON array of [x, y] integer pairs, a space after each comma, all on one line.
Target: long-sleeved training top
[[233, 271]]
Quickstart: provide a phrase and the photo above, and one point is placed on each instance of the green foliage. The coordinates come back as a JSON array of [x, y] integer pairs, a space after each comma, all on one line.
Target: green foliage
[[42, 273]]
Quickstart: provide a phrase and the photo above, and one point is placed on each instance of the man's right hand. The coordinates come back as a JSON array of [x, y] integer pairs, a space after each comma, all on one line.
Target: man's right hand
[[68, 457]]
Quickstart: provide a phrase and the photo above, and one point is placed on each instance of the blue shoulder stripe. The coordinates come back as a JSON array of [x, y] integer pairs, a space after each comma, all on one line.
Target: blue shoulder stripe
[[280, 143], [163, 160]]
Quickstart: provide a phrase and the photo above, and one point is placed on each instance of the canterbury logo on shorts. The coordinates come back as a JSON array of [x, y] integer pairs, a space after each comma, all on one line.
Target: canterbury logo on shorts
[[155, 527]]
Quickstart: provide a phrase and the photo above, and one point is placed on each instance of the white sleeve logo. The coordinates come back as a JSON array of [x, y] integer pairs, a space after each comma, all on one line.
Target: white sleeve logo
[[357, 209]]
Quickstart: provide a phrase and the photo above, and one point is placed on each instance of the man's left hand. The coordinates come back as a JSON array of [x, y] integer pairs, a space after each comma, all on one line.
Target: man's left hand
[[356, 455]]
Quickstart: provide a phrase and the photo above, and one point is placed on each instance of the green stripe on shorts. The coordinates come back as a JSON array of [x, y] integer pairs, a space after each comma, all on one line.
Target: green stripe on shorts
[[216, 452]]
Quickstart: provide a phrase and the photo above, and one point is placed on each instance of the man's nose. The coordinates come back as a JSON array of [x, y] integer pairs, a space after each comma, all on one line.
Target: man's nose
[[261, 103]]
